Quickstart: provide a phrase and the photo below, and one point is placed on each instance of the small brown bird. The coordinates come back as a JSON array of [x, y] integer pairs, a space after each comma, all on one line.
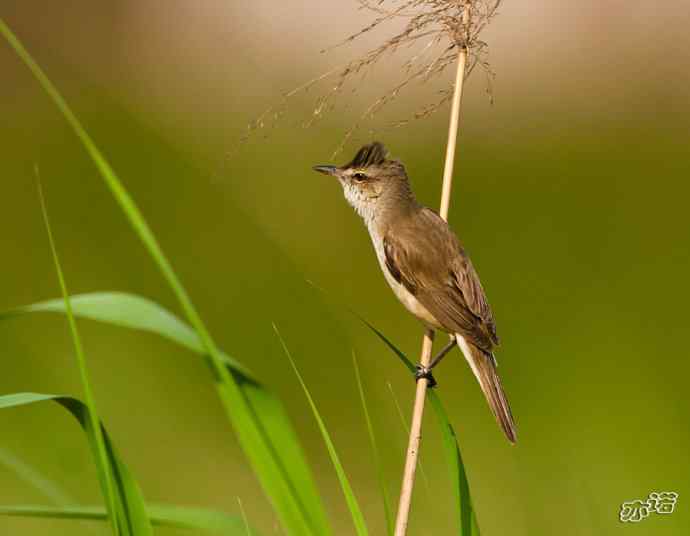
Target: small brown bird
[[425, 265]]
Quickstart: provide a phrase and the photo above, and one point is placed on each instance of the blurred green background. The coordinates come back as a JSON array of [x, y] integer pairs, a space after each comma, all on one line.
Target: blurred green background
[[570, 194]]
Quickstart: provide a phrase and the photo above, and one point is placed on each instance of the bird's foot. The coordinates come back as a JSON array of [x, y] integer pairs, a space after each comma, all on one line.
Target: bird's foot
[[425, 372]]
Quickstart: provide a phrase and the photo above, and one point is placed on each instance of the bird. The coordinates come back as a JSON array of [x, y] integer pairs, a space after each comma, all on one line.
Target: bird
[[426, 266]]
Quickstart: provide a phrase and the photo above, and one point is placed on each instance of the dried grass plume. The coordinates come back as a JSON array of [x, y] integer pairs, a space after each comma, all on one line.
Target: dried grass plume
[[432, 32]]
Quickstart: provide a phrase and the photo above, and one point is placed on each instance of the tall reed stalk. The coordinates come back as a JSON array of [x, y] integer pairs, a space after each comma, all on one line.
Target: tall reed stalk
[[428, 340], [448, 32]]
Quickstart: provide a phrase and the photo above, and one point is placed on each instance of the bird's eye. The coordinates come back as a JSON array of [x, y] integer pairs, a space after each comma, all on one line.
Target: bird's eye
[[359, 176]]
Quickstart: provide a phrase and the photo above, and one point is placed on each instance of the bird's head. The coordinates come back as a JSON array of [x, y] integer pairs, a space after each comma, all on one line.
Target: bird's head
[[372, 181]]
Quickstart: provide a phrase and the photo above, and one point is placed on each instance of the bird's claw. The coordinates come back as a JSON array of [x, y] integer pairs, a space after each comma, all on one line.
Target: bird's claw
[[425, 372]]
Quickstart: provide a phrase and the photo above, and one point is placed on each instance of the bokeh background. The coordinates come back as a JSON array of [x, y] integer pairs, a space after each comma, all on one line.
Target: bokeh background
[[571, 195]]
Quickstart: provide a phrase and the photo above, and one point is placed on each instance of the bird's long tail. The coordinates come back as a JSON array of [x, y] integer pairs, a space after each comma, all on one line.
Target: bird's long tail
[[484, 367]]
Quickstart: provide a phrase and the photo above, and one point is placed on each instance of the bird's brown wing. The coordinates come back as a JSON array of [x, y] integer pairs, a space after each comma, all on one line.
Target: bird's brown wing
[[439, 274]]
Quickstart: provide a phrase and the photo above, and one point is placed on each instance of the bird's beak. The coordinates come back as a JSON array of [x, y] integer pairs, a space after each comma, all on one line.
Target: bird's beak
[[326, 170]]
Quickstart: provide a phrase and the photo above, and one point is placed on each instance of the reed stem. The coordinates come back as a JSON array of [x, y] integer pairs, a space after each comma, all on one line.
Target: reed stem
[[427, 343]]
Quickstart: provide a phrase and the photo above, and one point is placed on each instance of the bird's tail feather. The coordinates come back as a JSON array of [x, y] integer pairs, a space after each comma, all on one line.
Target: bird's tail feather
[[484, 367]]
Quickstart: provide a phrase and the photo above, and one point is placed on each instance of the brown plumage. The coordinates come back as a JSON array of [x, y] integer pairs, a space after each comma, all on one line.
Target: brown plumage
[[456, 300], [425, 265], [454, 296]]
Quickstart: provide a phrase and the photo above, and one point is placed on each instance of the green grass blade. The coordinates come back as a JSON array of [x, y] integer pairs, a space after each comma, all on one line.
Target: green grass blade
[[374, 448], [201, 518], [452, 449], [298, 506], [34, 478], [129, 311], [161, 516], [350, 499], [247, 528], [118, 517], [128, 497], [135, 312], [461, 488], [475, 524], [467, 523]]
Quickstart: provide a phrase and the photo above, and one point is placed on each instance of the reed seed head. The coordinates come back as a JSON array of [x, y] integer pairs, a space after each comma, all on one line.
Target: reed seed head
[[434, 33]]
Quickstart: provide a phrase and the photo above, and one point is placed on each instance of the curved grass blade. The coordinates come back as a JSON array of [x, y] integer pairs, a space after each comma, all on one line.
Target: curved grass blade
[[200, 518], [247, 528], [34, 478], [121, 520], [161, 516], [135, 312], [353, 505], [48, 487], [130, 311], [457, 468], [374, 448], [297, 504], [460, 486], [129, 502], [467, 522]]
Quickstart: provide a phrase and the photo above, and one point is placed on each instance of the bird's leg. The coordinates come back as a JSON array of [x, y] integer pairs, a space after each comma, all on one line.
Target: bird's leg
[[447, 348], [425, 372]]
